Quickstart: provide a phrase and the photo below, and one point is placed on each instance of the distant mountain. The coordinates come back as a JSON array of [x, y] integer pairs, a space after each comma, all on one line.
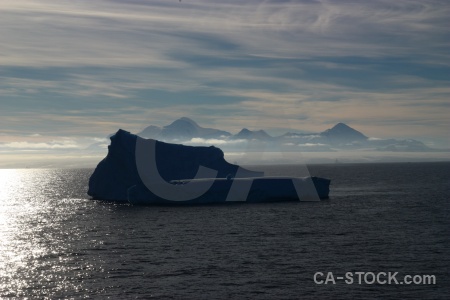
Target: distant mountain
[[182, 129], [246, 134], [342, 133], [338, 137], [150, 131], [342, 136]]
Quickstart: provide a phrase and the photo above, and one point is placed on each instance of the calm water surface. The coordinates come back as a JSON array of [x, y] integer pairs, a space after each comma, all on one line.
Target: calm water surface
[[57, 243]]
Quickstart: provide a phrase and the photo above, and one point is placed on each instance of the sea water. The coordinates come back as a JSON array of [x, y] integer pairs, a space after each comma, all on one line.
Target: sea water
[[55, 242]]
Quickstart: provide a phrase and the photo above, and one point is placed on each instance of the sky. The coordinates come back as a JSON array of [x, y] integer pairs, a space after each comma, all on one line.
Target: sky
[[73, 72]]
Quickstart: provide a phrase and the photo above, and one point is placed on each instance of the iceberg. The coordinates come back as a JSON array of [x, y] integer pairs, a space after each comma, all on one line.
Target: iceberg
[[146, 171]]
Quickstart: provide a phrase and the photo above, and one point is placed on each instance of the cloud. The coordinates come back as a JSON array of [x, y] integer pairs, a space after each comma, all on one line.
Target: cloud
[[43, 146], [69, 67], [216, 142], [113, 33], [311, 145], [51, 144], [99, 140]]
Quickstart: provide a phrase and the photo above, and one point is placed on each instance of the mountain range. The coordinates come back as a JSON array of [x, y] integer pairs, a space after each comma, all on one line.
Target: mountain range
[[339, 137], [182, 129]]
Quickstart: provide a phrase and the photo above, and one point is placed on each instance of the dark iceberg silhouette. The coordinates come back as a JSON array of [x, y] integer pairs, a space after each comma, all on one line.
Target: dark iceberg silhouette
[[119, 177]]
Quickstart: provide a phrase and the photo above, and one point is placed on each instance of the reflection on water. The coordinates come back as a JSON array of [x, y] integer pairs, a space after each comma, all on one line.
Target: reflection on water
[[56, 243], [34, 237]]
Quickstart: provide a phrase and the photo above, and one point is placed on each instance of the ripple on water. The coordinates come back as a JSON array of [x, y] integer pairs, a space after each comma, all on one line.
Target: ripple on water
[[56, 243]]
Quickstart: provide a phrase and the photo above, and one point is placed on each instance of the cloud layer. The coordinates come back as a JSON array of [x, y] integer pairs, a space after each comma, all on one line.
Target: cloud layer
[[86, 68]]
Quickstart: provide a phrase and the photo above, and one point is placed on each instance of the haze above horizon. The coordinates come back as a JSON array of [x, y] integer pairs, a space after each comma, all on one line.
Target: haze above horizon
[[73, 72]]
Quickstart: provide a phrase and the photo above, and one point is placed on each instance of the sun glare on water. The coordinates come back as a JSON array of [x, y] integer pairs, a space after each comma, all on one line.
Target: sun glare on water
[[16, 245], [29, 228]]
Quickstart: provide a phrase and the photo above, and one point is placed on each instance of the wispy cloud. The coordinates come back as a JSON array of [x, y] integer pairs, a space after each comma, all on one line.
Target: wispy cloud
[[217, 142], [113, 33], [51, 145], [70, 68]]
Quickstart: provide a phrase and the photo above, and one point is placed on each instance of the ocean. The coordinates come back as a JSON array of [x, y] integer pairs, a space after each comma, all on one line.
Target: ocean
[[55, 242]]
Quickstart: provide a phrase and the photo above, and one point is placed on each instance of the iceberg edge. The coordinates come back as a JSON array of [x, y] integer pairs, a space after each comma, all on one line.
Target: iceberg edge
[[117, 178]]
